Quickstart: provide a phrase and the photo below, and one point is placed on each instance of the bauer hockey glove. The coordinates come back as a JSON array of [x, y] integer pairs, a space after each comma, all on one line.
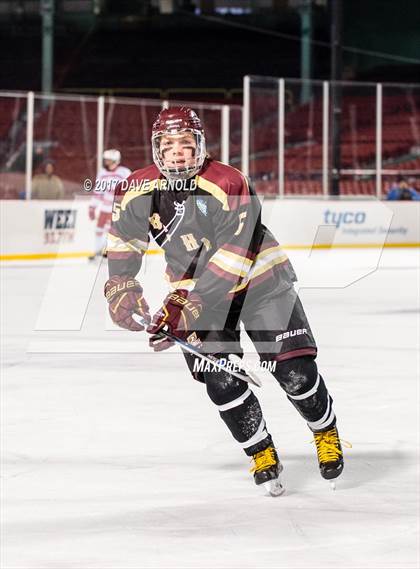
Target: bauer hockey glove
[[92, 212], [180, 310], [125, 298]]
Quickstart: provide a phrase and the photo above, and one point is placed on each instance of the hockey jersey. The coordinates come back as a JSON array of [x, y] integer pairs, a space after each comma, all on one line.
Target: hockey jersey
[[209, 228], [105, 185]]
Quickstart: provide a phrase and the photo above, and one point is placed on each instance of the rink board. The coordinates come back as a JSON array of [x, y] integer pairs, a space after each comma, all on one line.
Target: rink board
[[44, 230]]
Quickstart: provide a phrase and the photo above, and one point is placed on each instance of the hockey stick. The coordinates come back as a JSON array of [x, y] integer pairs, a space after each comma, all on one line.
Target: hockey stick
[[220, 364]]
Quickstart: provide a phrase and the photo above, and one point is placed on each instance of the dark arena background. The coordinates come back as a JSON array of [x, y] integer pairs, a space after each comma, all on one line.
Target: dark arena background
[[111, 455]]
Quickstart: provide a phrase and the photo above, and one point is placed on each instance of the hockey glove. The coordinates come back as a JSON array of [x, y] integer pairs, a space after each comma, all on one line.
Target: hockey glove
[[180, 310], [92, 213], [125, 298]]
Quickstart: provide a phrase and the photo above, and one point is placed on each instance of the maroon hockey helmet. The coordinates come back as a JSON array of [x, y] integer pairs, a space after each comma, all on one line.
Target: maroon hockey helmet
[[176, 121]]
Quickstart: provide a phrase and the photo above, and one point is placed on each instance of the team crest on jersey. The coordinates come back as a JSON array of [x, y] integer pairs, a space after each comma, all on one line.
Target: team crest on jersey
[[202, 206], [155, 221]]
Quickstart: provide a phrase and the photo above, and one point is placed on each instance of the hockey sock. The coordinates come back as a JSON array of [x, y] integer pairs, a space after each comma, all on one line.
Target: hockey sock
[[307, 391], [240, 410]]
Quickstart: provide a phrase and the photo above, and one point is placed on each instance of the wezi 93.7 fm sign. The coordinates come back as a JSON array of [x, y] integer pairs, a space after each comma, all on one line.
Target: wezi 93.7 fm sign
[[59, 225]]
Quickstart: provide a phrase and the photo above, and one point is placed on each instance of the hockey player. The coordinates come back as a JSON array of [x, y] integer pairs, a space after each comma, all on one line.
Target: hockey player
[[225, 268], [100, 207]]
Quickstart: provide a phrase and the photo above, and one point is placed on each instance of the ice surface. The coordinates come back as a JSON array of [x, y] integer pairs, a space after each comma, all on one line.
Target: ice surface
[[113, 457]]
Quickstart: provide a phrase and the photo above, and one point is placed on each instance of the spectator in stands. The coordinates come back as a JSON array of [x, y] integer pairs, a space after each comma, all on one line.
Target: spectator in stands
[[47, 186], [402, 191], [414, 182]]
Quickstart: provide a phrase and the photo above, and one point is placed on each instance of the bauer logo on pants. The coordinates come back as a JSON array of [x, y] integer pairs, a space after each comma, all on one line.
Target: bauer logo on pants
[[291, 334]]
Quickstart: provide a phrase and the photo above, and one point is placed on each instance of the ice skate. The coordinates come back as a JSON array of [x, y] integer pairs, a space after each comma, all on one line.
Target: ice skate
[[267, 468], [330, 454]]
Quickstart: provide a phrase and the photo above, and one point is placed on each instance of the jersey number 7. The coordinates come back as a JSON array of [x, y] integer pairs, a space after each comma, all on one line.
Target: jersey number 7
[[242, 216]]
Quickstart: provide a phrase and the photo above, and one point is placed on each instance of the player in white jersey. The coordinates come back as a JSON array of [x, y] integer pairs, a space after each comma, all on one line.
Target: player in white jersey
[[100, 207]]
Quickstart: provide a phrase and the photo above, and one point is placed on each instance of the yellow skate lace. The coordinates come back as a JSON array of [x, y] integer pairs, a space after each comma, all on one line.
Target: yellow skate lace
[[327, 445], [264, 459]]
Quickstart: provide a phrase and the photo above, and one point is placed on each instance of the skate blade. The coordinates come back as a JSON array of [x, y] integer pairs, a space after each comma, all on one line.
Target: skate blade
[[332, 484], [274, 487]]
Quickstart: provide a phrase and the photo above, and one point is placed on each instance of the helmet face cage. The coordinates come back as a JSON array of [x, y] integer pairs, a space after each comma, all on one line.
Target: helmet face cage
[[177, 121], [184, 172]]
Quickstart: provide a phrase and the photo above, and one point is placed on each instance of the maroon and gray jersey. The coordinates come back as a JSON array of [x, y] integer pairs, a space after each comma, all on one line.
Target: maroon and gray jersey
[[209, 228]]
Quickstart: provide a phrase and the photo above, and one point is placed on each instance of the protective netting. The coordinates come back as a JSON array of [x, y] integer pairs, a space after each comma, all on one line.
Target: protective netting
[[364, 112], [65, 131]]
